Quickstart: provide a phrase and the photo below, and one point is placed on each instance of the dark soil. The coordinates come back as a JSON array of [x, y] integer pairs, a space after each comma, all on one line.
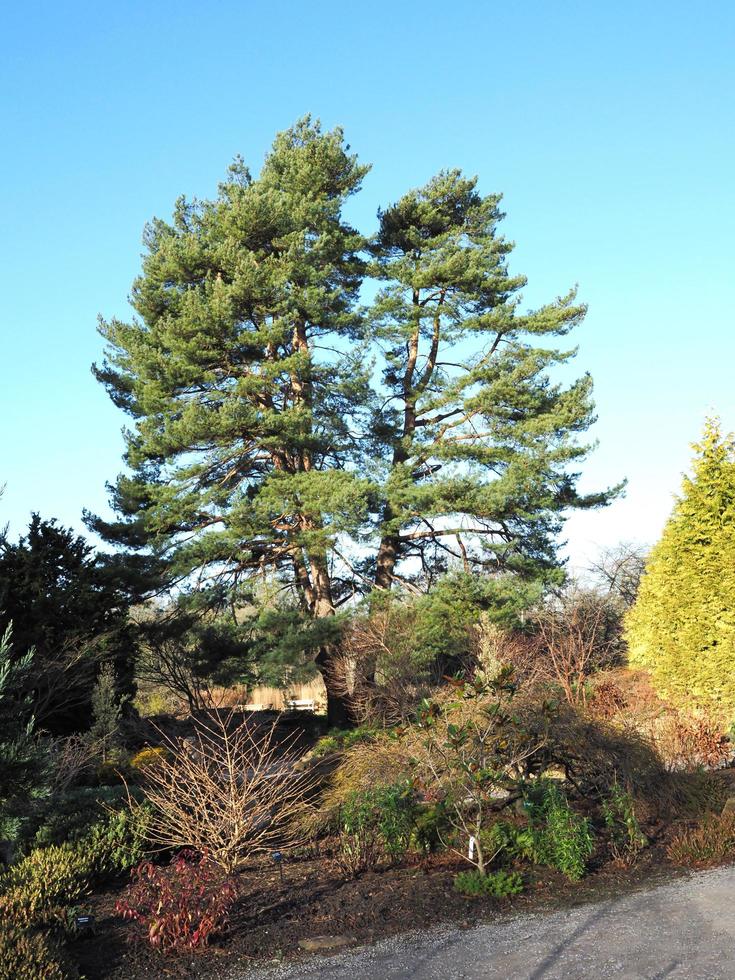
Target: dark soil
[[315, 900]]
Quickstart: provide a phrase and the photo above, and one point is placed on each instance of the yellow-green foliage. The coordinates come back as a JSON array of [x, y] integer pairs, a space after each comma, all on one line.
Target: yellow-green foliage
[[37, 889], [379, 760], [148, 757], [682, 627], [31, 956]]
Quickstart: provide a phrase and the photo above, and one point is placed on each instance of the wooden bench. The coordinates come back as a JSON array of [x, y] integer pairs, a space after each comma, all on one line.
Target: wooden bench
[[307, 704]]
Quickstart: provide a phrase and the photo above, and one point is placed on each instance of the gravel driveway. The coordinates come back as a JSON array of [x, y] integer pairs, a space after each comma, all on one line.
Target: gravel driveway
[[685, 928]]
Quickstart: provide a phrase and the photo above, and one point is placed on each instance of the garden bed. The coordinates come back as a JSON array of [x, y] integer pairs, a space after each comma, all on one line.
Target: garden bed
[[314, 902]]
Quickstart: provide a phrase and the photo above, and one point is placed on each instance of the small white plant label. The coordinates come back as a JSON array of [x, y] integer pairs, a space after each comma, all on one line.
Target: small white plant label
[[471, 852]]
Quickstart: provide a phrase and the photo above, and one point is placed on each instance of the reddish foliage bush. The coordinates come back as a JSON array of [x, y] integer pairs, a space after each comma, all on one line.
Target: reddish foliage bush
[[607, 700], [179, 907], [687, 743]]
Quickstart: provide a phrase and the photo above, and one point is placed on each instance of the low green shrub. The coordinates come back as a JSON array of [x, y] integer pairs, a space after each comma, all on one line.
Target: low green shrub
[[432, 828], [32, 956], [626, 837], [511, 842], [563, 839], [117, 844], [497, 884], [37, 889], [376, 824], [71, 815]]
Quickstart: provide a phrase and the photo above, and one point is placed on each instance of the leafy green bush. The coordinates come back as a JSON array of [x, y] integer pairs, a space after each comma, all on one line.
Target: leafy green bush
[[626, 836], [396, 807], [432, 828], [375, 824], [37, 889], [498, 884], [510, 842], [32, 956], [563, 838], [71, 815]]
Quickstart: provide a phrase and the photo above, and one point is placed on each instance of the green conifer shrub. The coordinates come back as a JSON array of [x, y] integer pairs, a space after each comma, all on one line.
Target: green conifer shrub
[[682, 627], [497, 884]]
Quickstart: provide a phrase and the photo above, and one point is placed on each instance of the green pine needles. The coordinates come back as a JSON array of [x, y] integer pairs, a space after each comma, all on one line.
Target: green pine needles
[[682, 627], [282, 430]]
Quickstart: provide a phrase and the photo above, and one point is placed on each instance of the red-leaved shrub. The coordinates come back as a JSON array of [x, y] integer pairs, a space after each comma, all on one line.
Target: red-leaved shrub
[[181, 906]]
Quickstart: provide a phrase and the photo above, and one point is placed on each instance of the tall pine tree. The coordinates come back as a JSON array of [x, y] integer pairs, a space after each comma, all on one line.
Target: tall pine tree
[[246, 377], [265, 441], [682, 627], [475, 439]]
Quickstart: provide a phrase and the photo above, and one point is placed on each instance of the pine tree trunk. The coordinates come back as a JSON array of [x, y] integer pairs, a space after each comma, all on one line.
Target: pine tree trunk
[[338, 707], [338, 711], [386, 561]]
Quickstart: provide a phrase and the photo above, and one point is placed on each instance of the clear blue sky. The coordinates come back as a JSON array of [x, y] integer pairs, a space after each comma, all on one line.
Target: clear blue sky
[[608, 127]]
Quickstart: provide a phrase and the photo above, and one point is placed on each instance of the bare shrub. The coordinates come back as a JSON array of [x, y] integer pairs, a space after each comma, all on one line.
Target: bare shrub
[[231, 791], [72, 758], [579, 634], [165, 663], [379, 672]]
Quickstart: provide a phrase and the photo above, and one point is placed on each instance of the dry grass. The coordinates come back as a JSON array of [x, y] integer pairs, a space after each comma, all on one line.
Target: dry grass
[[378, 761], [686, 741], [709, 842]]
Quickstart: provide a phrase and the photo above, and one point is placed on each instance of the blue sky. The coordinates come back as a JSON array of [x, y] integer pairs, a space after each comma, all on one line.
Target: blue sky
[[608, 128]]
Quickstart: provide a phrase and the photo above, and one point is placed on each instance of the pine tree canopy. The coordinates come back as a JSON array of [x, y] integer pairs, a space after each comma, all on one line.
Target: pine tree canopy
[[281, 428], [682, 627], [474, 438]]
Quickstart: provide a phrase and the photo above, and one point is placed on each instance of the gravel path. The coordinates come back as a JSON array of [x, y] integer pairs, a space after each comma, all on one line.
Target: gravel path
[[685, 928]]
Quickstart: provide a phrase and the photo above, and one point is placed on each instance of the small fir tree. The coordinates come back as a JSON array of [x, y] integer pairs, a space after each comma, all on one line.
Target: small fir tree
[[106, 708], [682, 627]]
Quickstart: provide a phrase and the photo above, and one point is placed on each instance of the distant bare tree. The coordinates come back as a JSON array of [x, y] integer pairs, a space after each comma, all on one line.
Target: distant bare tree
[[579, 633], [165, 661], [619, 570]]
